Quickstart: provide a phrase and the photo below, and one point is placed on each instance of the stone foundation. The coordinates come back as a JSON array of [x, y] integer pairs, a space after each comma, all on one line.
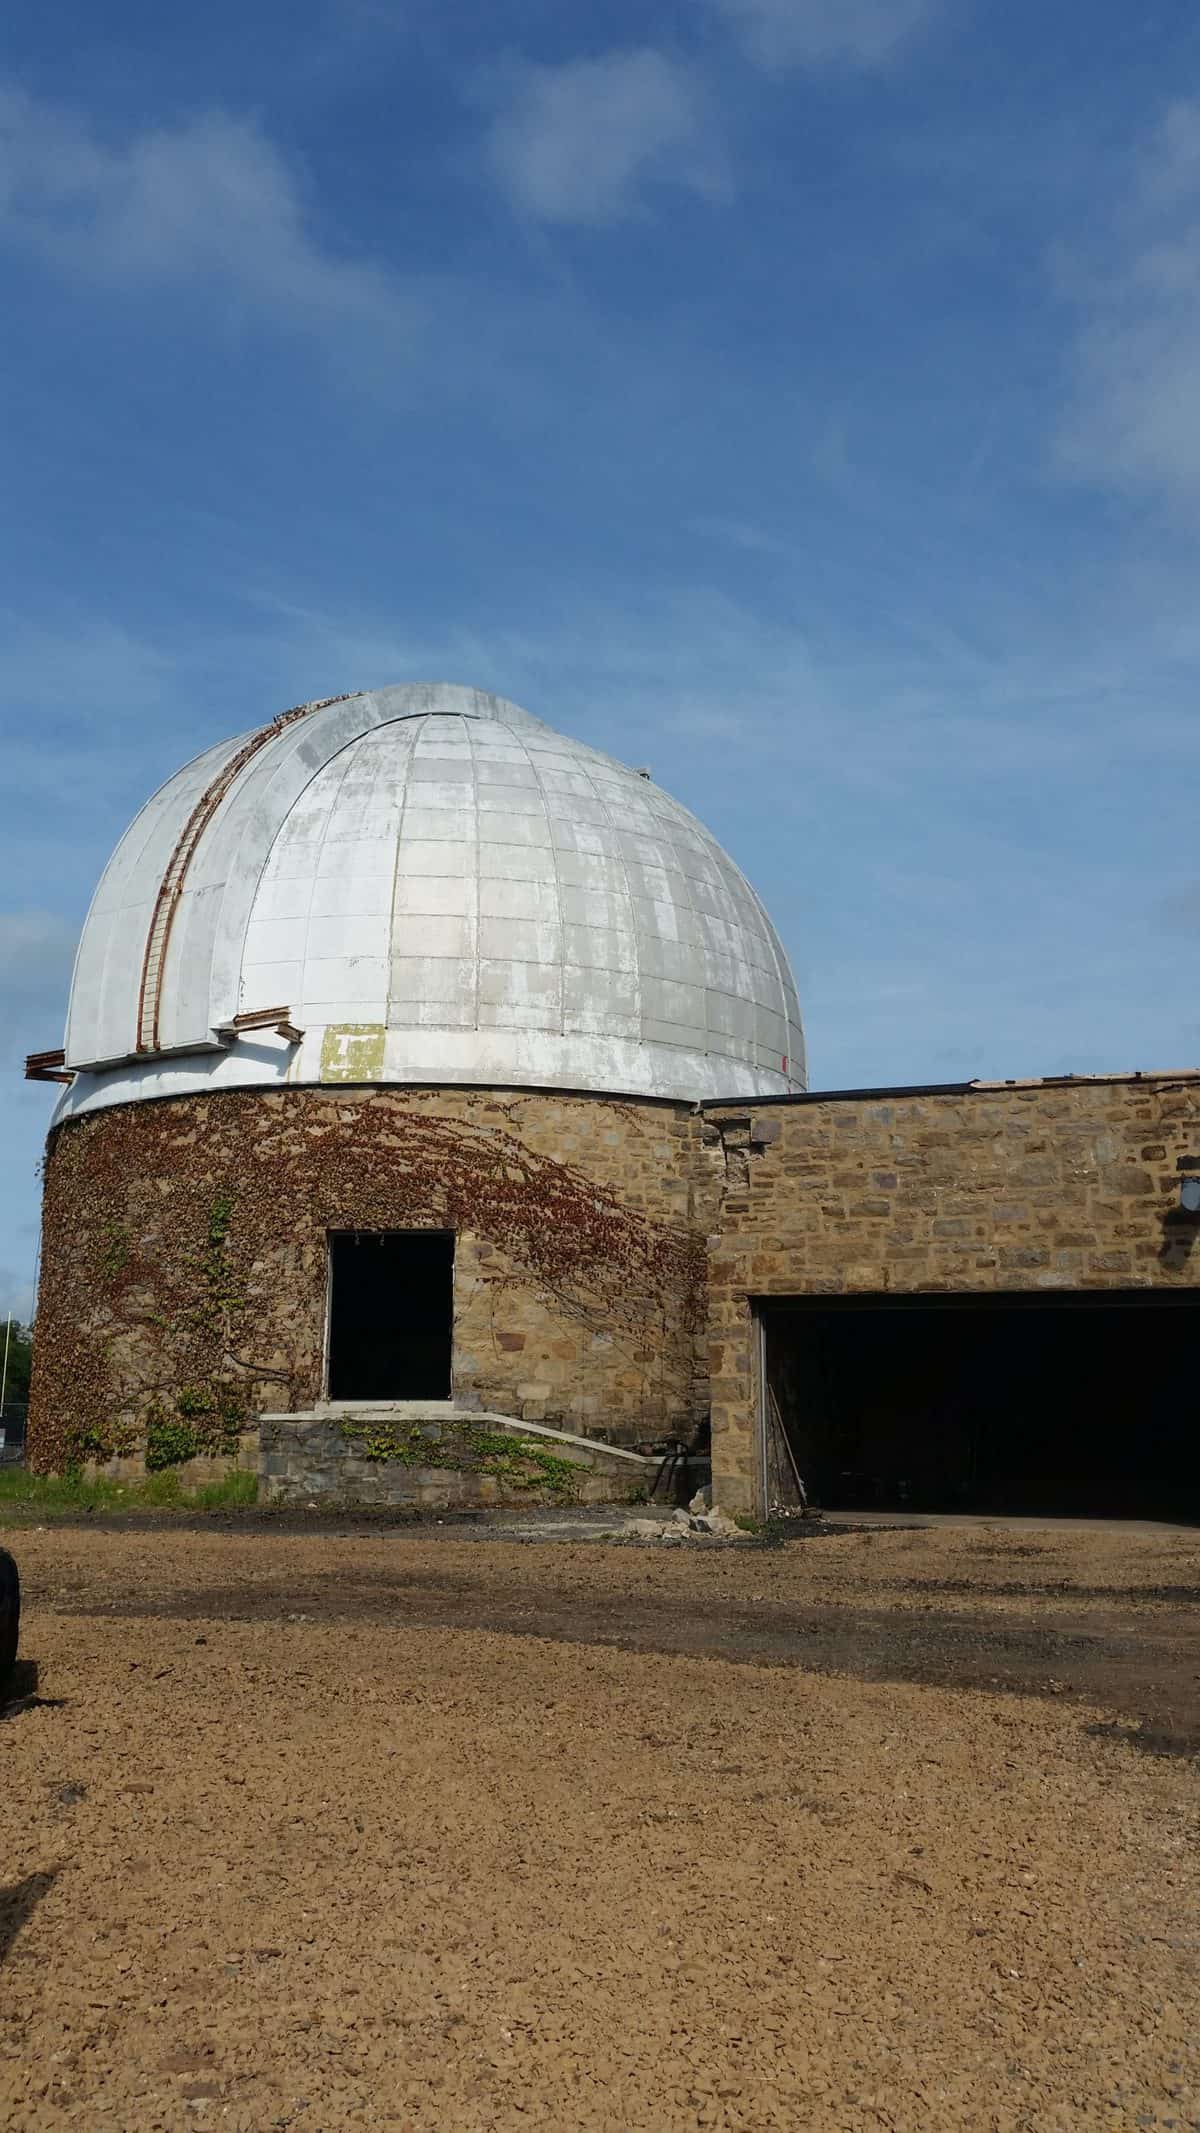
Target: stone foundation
[[184, 1262]]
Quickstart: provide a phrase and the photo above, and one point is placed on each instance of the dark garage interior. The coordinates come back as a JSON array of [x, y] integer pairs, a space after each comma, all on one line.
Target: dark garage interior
[[1080, 1404], [391, 1314]]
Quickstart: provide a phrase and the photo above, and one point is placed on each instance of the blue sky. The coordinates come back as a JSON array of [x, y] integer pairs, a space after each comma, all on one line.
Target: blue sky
[[802, 398]]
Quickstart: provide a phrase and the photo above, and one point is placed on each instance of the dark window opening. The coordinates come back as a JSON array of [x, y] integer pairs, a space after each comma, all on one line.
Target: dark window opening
[[1079, 1405], [391, 1314]]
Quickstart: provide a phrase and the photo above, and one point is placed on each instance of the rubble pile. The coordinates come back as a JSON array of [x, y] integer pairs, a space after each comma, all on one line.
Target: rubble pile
[[700, 1521]]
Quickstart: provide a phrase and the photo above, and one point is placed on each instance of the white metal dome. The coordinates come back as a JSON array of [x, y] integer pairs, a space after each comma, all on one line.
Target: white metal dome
[[426, 884]]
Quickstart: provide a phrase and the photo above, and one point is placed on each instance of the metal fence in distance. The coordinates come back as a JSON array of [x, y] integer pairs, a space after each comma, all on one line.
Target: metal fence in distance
[[12, 1432]]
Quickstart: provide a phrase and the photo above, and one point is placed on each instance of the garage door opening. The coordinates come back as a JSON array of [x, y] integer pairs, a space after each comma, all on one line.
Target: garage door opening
[[1073, 1405], [391, 1314]]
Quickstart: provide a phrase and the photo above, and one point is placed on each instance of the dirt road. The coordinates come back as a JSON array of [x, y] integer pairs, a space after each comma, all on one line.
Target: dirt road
[[352, 1828]]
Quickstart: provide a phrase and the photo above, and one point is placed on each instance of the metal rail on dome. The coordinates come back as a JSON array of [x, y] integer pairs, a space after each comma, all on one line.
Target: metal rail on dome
[[277, 1018], [170, 888], [48, 1066]]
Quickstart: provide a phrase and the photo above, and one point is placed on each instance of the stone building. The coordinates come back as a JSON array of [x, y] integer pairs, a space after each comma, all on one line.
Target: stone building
[[435, 1125]]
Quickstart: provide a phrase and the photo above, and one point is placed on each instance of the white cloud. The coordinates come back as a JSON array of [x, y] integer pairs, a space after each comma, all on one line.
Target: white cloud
[[580, 142], [810, 33], [211, 199], [1135, 413]]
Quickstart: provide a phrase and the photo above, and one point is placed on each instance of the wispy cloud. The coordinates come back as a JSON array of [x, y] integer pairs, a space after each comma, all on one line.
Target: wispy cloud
[[67, 698], [584, 142], [1135, 413], [804, 33], [691, 665], [211, 199], [742, 534]]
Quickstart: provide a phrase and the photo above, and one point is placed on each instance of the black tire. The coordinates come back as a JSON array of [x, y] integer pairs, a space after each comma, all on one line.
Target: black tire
[[10, 1616]]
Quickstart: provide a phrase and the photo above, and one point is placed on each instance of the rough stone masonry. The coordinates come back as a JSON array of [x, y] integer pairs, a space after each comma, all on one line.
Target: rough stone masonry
[[1069, 1184], [185, 1258], [608, 1252]]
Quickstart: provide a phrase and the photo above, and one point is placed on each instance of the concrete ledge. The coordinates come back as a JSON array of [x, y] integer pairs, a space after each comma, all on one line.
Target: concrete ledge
[[417, 1412]]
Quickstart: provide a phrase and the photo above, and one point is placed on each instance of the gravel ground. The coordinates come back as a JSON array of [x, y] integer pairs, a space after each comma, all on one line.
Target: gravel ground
[[350, 1828]]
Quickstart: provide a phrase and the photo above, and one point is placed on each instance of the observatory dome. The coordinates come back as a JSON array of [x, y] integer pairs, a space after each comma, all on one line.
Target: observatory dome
[[424, 884]]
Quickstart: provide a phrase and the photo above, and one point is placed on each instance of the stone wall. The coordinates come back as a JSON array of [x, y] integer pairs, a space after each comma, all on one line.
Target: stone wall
[[184, 1259], [432, 1462], [184, 1262], [241, 1456], [1049, 1185]]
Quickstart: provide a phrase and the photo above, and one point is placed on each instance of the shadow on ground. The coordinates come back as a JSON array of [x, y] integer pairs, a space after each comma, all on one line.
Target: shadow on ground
[[18, 1902], [1145, 1668], [21, 1693]]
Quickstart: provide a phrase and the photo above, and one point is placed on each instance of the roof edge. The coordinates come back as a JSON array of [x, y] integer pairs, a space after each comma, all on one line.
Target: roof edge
[[958, 1088]]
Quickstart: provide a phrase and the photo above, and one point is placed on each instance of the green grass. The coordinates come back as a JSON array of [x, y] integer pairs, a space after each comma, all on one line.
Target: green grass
[[25, 1497]]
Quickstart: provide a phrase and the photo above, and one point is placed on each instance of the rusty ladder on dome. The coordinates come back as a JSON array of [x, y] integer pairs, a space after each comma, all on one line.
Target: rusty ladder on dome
[[170, 890], [52, 1066]]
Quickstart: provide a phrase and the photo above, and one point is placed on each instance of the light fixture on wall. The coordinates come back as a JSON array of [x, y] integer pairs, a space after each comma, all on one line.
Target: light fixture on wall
[[1189, 1195]]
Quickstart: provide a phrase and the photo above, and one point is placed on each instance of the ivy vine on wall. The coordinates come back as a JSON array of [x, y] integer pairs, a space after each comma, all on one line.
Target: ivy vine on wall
[[466, 1448], [184, 1249]]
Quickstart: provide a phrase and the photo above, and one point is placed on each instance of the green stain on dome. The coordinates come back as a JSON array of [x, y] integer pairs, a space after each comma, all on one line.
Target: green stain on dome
[[353, 1051]]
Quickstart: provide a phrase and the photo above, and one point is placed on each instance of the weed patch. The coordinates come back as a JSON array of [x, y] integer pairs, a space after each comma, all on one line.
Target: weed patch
[[26, 1498]]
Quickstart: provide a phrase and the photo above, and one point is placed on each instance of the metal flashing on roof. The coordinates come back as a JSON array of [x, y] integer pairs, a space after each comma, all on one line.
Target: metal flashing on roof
[[885, 1092]]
